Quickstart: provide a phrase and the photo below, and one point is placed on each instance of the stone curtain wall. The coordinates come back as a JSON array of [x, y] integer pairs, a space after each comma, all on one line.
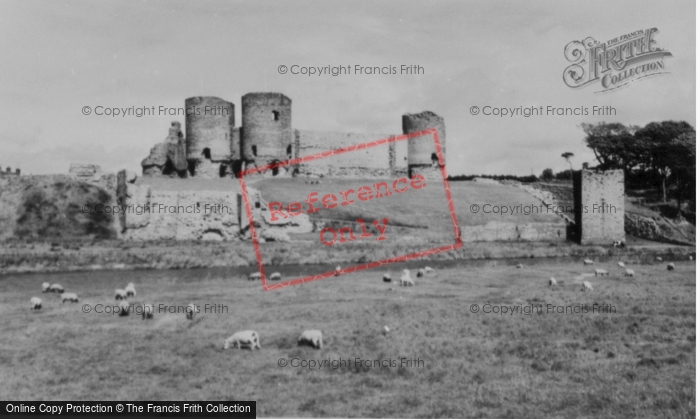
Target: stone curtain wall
[[373, 161], [496, 231]]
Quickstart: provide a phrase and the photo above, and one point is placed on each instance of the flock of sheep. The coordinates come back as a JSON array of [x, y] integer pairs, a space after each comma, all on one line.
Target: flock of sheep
[[249, 339], [587, 286], [35, 302]]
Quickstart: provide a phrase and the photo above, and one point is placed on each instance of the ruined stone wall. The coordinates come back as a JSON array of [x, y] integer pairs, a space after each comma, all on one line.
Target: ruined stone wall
[[497, 231], [209, 124], [266, 128], [180, 215], [599, 202], [372, 161]]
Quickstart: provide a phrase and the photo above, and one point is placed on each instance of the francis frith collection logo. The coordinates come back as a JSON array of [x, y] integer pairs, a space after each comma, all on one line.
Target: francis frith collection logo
[[615, 63]]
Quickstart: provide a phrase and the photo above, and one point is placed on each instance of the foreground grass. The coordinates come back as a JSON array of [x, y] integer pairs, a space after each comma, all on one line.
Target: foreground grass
[[636, 362]]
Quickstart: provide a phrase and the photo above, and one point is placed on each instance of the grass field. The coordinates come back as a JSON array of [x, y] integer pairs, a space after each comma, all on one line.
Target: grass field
[[638, 361], [425, 207]]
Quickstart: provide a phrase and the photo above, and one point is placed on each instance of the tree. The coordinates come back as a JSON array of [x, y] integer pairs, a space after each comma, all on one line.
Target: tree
[[683, 171], [666, 147], [567, 156], [615, 146], [547, 174]]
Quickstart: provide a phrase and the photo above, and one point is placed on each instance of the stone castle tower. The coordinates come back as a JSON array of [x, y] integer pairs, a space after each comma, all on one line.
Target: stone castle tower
[[422, 155], [267, 128], [209, 125]]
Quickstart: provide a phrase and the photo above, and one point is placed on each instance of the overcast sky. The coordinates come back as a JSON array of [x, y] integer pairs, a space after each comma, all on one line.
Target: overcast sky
[[59, 56]]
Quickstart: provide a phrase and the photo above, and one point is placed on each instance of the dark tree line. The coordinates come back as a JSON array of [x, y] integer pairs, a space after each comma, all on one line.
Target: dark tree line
[[524, 179], [655, 156]]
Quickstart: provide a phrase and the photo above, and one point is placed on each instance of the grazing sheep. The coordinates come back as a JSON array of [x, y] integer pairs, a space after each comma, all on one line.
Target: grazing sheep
[[601, 272], [587, 286], [385, 329], [670, 266], [429, 270], [123, 308], [552, 282], [35, 303], [313, 338], [588, 262], [56, 288], [190, 310], [148, 310], [275, 276], [130, 290], [620, 264], [519, 266], [629, 272], [421, 273], [247, 338], [619, 243], [406, 279], [120, 294], [338, 269], [255, 276], [659, 259], [386, 278], [45, 287], [70, 296]]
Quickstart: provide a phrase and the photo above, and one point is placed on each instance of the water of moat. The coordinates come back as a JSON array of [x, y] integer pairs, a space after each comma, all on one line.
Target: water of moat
[[297, 271]]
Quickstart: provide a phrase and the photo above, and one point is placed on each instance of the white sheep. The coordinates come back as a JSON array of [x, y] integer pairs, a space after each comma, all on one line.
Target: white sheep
[[587, 286], [313, 338], [56, 288], [70, 296], [275, 276], [124, 308], [620, 264], [247, 338], [255, 276], [385, 330], [552, 282], [35, 303], [338, 269], [190, 310], [130, 290], [519, 266], [420, 273], [429, 270], [629, 272], [690, 257], [670, 267], [659, 259], [406, 279], [588, 262], [601, 272], [120, 294], [386, 278], [148, 310], [45, 287]]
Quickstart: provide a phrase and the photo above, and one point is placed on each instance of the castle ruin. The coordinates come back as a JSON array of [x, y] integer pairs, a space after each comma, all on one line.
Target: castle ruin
[[214, 147]]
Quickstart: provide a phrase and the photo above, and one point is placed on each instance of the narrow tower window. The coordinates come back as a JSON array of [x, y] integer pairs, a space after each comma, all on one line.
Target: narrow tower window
[[275, 115], [206, 153], [255, 150], [289, 150]]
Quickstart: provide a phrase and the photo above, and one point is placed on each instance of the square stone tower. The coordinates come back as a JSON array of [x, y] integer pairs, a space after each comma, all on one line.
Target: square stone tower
[[599, 200]]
